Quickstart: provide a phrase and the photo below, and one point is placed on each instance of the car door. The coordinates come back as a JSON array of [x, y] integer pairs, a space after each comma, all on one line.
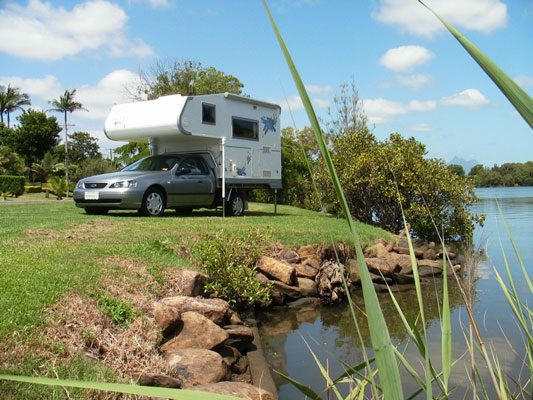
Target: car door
[[192, 184]]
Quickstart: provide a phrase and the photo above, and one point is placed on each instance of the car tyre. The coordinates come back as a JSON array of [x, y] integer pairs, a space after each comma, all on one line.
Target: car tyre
[[153, 204], [96, 211], [235, 205]]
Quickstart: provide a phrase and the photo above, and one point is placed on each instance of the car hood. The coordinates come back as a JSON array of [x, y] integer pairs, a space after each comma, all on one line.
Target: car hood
[[122, 175]]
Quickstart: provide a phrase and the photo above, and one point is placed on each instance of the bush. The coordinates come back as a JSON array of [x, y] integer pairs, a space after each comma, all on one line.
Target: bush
[[230, 260], [378, 177], [12, 185], [33, 189], [120, 312]]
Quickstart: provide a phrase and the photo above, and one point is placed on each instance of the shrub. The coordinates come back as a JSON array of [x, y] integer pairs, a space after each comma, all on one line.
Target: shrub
[[58, 186], [11, 185], [33, 189], [230, 260], [376, 176], [120, 312]]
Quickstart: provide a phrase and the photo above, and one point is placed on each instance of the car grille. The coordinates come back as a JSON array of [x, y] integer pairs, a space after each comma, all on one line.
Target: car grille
[[94, 185]]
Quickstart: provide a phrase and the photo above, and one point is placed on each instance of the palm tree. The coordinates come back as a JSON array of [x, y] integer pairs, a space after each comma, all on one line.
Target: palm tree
[[66, 104], [11, 100]]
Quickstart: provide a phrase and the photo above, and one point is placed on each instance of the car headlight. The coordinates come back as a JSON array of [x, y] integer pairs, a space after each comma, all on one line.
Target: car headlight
[[79, 185], [123, 184]]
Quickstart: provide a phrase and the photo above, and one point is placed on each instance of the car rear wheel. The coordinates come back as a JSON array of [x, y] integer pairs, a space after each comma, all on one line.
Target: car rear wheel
[[96, 211], [153, 204], [236, 204]]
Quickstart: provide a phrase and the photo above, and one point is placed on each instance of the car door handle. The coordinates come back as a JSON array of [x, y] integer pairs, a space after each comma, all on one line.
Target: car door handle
[[199, 181]]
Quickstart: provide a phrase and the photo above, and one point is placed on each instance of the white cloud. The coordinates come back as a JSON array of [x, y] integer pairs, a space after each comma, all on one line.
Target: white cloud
[[421, 127], [152, 3], [411, 17], [46, 88], [110, 90], [294, 103], [44, 32], [466, 98], [319, 90], [524, 80], [414, 81], [405, 58], [382, 110]]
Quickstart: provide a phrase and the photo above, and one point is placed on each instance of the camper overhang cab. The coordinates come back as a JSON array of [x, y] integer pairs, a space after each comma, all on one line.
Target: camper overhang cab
[[206, 151]]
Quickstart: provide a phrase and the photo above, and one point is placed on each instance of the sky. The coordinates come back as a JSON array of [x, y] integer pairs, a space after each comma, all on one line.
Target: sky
[[412, 75]]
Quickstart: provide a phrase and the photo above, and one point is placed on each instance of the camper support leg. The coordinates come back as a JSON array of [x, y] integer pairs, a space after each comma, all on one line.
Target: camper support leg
[[275, 201], [223, 175]]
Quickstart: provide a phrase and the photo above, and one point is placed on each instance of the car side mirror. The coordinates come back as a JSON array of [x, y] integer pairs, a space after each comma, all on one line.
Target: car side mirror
[[183, 171]]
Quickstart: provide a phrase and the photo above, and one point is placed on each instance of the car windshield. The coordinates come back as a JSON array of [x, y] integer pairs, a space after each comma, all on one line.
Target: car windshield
[[154, 163]]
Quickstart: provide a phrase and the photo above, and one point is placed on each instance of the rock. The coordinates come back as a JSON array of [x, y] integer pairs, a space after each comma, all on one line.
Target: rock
[[185, 283], [403, 279], [304, 301], [376, 251], [197, 366], [234, 318], [313, 261], [339, 252], [305, 271], [376, 278], [405, 250], [229, 353], [167, 311], [430, 254], [388, 246], [430, 263], [394, 288], [239, 333], [429, 271], [277, 270], [455, 268], [385, 266], [288, 291], [329, 282], [278, 298], [399, 261], [307, 287], [262, 278], [159, 380], [291, 257], [353, 270], [241, 366], [198, 332], [237, 389], [306, 252]]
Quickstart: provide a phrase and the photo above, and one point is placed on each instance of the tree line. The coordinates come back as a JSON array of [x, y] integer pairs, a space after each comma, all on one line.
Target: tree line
[[507, 174]]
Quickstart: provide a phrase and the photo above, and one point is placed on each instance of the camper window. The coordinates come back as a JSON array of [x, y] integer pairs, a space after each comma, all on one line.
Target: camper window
[[245, 128], [208, 113]]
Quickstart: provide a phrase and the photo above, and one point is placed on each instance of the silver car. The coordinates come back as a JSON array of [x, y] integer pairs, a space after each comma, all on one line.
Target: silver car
[[179, 181]]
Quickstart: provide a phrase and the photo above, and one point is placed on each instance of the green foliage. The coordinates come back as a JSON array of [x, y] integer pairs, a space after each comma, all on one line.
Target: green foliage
[[11, 185], [120, 312], [187, 78], [373, 175], [457, 169], [82, 146], [36, 135], [11, 100], [508, 174], [92, 166], [6, 135], [58, 186], [33, 189], [229, 260], [10, 162], [131, 152]]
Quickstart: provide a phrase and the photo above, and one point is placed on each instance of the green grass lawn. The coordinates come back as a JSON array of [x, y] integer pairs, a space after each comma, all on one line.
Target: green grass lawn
[[50, 248]]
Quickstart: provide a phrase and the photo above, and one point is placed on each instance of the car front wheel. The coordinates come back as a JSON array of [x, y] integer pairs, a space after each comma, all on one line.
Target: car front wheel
[[153, 204]]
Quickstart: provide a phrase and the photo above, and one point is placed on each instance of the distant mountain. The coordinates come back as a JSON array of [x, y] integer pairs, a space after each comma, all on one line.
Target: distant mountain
[[466, 164]]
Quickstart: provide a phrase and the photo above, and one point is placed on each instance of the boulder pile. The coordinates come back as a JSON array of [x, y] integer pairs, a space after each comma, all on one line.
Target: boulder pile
[[316, 271], [204, 344]]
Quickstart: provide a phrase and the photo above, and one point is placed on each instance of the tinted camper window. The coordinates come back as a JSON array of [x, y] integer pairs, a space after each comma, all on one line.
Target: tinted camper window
[[245, 128], [208, 113]]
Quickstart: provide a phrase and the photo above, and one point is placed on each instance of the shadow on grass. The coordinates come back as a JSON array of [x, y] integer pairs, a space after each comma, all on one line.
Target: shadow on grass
[[192, 214]]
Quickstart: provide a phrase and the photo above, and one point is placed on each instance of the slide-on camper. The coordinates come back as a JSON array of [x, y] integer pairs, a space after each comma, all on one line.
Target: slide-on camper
[[205, 152]]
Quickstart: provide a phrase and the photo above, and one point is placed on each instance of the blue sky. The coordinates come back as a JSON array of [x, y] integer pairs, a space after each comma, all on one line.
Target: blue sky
[[413, 76]]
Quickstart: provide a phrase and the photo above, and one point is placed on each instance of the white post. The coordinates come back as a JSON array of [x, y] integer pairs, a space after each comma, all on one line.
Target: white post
[[223, 174]]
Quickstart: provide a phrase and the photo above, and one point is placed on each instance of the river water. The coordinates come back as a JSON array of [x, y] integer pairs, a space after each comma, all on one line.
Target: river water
[[289, 335]]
